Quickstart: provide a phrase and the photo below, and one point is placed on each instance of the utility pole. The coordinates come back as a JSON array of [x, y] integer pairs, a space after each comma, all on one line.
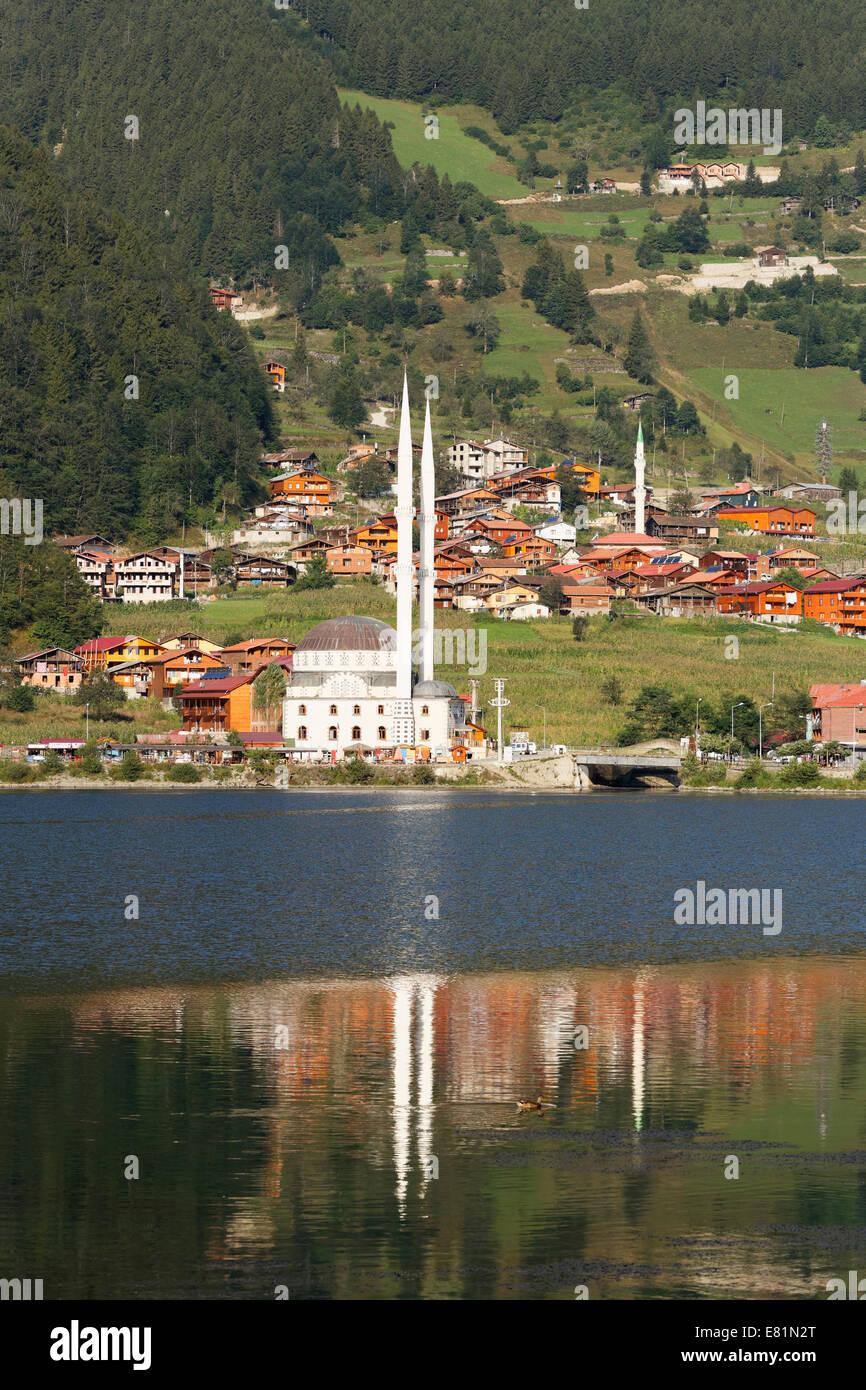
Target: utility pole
[[761, 709], [499, 703]]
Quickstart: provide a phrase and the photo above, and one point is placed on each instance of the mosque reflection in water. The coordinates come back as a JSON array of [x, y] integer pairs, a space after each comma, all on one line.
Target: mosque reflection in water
[[362, 1138]]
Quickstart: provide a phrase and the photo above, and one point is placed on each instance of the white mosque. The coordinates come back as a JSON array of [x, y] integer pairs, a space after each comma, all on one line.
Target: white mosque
[[353, 687]]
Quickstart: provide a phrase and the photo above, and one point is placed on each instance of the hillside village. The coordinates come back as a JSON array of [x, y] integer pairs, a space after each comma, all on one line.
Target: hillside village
[[754, 555]]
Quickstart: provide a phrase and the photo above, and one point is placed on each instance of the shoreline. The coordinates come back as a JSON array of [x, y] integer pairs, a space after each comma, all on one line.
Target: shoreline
[[441, 785]]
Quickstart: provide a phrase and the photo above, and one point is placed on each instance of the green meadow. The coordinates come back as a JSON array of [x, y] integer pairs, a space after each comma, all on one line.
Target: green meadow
[[454, 153], [785, 405]]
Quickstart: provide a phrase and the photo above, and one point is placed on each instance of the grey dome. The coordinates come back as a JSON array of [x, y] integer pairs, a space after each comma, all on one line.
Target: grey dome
[[351, 634], [434, 690]]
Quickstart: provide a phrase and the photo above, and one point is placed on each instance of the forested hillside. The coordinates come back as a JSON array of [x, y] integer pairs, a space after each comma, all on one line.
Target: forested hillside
[[241, 141], [524, 59], [90, 315]]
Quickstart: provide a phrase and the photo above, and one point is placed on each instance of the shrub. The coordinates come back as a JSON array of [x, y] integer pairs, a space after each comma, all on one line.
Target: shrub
[[800, 775], [183, 772], [21, 699], [755, 775], [130, 769], [52, 763], [356, 771], [16, 772], [423, 775], [90, 764]]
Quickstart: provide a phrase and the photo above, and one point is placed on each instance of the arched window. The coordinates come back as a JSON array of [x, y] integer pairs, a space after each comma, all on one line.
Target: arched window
[[332, 733], [424, 709], [302, 709], [356, 709], [356, 733], [333, 709], [302, 733], [383, 733]]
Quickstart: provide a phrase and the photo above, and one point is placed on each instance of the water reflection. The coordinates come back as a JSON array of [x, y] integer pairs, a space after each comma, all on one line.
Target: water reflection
[[360, 1138]]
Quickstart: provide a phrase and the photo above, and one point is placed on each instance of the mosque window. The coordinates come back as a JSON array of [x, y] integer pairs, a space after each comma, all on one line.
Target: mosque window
[[302, 709], [356, 709], [382, 734], [424, 709], [333, 709], [302, 733], [332, 733], [356, 733]]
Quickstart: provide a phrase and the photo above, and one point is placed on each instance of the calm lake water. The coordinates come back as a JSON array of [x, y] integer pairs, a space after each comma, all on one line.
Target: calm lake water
[[313, 1035]]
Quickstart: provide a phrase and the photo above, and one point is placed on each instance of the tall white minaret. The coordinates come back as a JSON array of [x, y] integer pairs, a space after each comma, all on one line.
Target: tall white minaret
[[639, 486], [404, 723], [427, 564]]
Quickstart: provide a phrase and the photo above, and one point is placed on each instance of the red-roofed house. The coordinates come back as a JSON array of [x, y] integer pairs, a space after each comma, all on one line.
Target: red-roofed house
[[218, 705], [839, 712], [769, 601], [840, 603]]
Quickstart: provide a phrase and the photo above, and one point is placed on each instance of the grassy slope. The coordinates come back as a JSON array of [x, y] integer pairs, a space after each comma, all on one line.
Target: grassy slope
[[462, 157]]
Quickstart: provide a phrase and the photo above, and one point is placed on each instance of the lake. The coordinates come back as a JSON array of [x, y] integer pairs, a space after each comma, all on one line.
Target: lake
[[304, 1020]]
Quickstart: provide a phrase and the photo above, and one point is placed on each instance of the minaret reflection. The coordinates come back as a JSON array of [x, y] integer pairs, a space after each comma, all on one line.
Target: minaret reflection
[[403, 992], [426, 1158], [414, 999], [638, 1065]]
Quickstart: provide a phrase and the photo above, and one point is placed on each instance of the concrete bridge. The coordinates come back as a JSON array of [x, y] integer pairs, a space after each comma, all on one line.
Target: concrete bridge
[[598, 767]]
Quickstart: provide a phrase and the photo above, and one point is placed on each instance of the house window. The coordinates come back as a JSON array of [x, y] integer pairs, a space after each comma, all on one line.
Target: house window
[[332, 733], [333, 709], [356, 709], [380, 709], [302, 709], [424, 709], [302, 733], [382, 732], [425, 734], [356, 733]]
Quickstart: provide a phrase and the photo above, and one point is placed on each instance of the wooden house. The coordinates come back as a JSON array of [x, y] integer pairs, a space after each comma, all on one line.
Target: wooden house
[[769, 601], [244, 657], [52, 668], [840, 603], [218, 705], [771, 520], [261, 571], [277, 373]]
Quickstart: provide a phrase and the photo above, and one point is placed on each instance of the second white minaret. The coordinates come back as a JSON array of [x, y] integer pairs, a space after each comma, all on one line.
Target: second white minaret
[[639, 484], [404, 723], [426, 569]]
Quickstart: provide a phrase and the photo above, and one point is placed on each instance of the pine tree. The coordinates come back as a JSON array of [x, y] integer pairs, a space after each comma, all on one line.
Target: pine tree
[[639, 359]]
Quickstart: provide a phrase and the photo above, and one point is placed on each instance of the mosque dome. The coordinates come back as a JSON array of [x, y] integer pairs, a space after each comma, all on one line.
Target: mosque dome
[[434, 690], [350, 634]]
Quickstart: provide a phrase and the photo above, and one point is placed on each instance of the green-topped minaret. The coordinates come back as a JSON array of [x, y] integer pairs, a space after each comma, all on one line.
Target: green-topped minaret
[[639, 484]]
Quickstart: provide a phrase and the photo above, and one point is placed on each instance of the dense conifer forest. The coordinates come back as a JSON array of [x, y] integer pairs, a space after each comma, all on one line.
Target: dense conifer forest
[[524, 59], [240, 144], [125, 399]]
